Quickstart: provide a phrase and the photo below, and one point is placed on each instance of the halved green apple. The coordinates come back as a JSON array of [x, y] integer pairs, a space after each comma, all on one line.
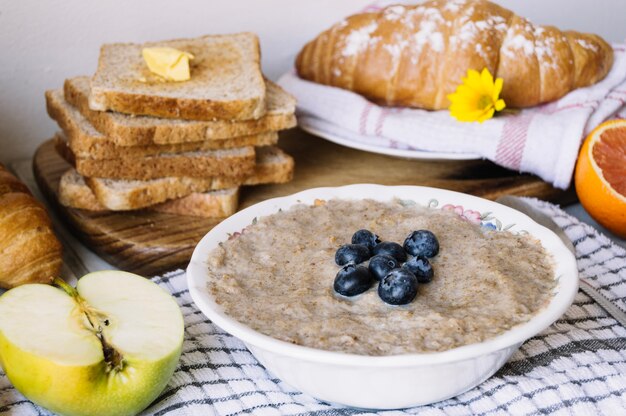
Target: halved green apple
[[108, 347]]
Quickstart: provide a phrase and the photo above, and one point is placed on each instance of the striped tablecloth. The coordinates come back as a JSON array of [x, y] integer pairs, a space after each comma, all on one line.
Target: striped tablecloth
[[577, 366]]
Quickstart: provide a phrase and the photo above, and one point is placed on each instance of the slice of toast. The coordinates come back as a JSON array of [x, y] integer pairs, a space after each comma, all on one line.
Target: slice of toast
[[87, 142], [234, 163], [212, 204], [273, 166], [74, 193], [226, 81], [127, 130]]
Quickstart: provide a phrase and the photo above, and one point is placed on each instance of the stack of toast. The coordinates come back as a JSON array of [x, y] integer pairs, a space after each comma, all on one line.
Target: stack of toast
[[138, 141]]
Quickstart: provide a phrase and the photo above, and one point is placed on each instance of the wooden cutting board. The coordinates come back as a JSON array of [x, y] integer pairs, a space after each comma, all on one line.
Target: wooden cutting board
[[151, 243]]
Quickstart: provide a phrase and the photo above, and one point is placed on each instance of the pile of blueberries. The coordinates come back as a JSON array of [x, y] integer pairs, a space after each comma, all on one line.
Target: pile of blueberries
[[398, 274]]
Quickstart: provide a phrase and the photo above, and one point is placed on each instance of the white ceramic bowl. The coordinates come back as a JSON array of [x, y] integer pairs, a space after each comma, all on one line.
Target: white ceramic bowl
[[397, 381]]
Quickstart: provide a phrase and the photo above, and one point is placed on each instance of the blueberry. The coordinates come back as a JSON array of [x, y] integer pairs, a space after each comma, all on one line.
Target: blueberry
[[352, 253], [421, 268], [381, 265], [422, 243], [366, 238], [352, 280], [388, 248], [399, 287]]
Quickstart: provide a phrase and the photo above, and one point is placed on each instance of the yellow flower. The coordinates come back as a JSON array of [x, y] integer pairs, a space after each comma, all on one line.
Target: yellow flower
[[477, 98]]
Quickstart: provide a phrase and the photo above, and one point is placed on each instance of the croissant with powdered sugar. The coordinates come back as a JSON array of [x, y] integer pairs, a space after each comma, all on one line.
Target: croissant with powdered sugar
[[416, 55]]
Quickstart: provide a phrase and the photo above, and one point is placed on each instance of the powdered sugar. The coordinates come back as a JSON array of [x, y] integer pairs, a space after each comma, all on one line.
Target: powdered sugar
[[342, 24], [432, 14], [394, 12], [469, 30], [493, 22], [544, 49], [436, 42], [519, 43], [532, 40], [358, 39], [454, 5], [395, 49], [427, 27], [481, 51], [429, 33], [587, 45]]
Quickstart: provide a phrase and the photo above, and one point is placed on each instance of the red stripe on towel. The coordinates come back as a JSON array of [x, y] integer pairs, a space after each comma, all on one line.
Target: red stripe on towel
[[510, 149], [593, 104], [381, 121], [364, 115]]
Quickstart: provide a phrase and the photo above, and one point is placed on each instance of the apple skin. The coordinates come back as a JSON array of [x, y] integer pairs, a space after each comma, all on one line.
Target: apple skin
[[78, 391], [88, 389]]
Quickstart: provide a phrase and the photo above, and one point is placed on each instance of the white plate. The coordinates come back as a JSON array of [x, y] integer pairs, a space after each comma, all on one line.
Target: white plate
[[395, 381], [383, 150]]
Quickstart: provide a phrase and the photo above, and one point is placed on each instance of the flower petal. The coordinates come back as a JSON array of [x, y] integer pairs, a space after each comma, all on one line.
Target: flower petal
[[473, 81], [497, 88], [487, 115], [467, 115], [465, 105], [477, 98], [486, 78]]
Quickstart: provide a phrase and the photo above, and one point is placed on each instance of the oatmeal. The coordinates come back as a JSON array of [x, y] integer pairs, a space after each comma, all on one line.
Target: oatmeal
[[277, 278]]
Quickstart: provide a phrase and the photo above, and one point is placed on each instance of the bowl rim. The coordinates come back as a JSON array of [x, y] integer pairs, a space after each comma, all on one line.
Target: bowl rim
[[564, 260]]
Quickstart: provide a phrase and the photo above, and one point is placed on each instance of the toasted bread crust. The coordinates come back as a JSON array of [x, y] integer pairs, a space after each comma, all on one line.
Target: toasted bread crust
[[74, 193], [119, 195], [86, 142], [233, 163], [180, 108], [216, 204], [126, 130], [149, 194], [273, 172], [151, 167]]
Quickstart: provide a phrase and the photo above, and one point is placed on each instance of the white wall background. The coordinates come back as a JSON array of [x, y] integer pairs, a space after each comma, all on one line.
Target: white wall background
[[42, 42]]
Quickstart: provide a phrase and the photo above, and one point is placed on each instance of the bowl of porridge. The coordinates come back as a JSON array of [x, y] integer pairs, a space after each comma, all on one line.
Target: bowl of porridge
[[268, 275]]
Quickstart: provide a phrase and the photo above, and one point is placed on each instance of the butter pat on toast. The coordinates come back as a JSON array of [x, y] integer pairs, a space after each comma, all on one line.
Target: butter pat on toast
[[226, 80]]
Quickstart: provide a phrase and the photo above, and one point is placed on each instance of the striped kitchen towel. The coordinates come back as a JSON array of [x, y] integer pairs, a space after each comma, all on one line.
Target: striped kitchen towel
[[576, 366], [543, 140]]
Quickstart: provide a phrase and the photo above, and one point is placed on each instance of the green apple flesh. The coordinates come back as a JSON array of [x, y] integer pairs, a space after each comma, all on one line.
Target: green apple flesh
[[108, 347]]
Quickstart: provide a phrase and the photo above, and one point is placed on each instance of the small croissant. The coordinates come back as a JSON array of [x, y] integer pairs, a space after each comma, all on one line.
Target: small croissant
[[415, 56], [29, 249]]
